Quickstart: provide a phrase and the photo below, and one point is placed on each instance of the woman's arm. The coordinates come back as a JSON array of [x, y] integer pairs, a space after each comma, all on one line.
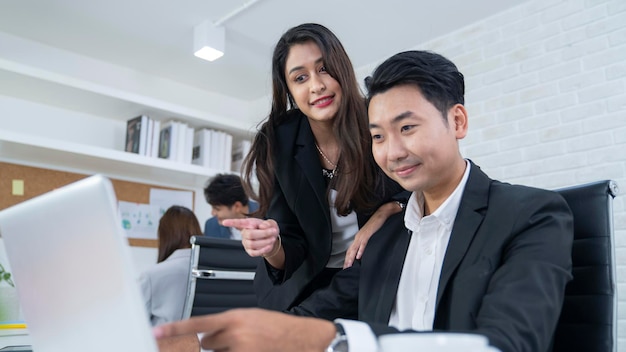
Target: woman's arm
[[372, 225], [282, 246]]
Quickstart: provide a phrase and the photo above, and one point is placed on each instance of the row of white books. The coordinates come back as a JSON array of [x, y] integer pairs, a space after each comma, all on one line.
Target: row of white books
[[240, 151], [140, 136], [177, 141], [212, 149]]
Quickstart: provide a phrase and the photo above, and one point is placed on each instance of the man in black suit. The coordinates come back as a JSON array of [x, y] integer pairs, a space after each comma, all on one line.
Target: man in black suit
[[468, 254]]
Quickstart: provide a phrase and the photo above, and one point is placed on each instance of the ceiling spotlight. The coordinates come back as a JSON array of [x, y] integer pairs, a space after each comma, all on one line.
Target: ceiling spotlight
[[208, 41]]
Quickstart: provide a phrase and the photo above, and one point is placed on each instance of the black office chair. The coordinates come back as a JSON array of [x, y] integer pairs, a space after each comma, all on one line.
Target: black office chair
[[220, 277], [588, 321]]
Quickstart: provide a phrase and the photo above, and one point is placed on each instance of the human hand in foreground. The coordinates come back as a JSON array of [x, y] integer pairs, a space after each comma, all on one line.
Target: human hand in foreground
[[179, 343], [260, 238], [244, 330]]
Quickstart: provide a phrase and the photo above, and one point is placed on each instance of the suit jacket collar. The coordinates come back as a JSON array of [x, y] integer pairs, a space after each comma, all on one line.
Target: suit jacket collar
[[468, 219], [306, 156], [397, 256], [295, 141]]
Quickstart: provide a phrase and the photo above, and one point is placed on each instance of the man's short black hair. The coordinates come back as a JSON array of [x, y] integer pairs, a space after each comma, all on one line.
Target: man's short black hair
[[437, 78], [225, 189]]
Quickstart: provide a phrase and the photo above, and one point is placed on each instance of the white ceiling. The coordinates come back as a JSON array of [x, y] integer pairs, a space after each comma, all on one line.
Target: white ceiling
[[155, 36]]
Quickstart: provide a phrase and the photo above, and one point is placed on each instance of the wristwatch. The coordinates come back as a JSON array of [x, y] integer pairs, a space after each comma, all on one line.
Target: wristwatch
[[340, 342]]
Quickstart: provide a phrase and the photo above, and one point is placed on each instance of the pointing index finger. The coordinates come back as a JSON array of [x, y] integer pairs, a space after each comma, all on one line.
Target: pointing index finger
[[248, 223], [206, 324]]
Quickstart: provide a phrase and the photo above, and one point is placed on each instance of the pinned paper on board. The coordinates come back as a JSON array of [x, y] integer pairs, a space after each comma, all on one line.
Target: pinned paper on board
[[165, 198], [139, 220], [142, 220]]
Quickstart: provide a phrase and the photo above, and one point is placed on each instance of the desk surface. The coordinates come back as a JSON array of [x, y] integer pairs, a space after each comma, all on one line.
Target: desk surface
[[14, 337]]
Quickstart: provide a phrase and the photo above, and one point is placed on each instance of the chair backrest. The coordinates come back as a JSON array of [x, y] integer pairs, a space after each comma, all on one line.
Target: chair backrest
[[588, 321], [220, 277]]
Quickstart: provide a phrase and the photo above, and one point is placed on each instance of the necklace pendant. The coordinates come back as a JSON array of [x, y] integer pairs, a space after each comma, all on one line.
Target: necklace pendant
[[329, 174]]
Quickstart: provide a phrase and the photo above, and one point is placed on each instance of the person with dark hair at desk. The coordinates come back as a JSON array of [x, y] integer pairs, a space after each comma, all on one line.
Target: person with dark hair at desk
[[164, 286], [468, 253], [228, 200]]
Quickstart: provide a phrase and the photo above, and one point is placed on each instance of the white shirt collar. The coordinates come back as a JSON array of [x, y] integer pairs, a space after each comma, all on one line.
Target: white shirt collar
[[445, 213]]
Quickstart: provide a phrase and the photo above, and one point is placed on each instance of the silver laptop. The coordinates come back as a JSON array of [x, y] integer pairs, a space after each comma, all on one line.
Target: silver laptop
[[73, 271]]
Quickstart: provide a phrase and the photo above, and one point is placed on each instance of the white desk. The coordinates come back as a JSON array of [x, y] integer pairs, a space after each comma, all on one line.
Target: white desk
[[14, 337]]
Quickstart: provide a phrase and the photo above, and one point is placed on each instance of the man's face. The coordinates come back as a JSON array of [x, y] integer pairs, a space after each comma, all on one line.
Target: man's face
[[222, 212], [412, 143]]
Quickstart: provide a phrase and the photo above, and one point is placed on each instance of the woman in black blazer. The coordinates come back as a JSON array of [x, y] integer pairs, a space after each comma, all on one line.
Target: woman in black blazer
[[317, 181]]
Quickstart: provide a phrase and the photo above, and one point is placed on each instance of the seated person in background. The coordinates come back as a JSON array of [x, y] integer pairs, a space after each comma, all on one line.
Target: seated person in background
[[467, 254], [228, 200], [164, 286]]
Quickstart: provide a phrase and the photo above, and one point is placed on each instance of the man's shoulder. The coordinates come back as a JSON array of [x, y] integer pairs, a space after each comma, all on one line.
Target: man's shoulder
[[499, 189], [513, 192], [482, 191], [391, 230], [521, 200], [212, 221], [212, 227]]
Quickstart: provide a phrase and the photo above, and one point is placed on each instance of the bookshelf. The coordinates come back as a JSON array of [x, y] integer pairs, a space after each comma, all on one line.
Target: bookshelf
[[63, 83], [67, 156]]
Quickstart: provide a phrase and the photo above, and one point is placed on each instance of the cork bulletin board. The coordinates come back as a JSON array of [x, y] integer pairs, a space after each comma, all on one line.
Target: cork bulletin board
[[37, 181]]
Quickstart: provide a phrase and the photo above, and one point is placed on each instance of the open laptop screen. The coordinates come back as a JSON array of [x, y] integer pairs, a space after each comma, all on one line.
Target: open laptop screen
[[72, 269]]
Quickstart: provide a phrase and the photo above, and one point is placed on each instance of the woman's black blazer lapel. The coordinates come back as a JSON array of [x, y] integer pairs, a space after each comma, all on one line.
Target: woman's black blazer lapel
[[298, 171]]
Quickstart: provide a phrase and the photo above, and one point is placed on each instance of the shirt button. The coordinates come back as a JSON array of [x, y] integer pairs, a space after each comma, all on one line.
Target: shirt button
[[428, 251]]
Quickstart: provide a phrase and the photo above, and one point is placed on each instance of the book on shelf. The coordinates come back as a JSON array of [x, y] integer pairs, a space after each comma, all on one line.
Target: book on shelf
[[240, 151], [217, 147], [137, 135], [154, 146], [227, 152], [212, 149], [201, 149], [180, 145], [168, 140], [176, 141], [221, 156], [188, 145], [149, 137]]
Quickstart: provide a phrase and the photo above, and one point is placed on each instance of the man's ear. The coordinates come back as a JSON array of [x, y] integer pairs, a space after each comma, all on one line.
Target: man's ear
[[459, 120], [237, 206]]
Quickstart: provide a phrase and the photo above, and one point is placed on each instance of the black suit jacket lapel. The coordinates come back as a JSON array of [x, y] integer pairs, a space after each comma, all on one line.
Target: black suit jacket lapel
[[296, 160], [306, 157], [298, 171], [468, 219], [390, 279]]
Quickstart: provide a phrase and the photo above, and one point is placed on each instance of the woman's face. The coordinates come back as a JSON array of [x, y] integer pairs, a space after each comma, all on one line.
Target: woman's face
[[316, 93]]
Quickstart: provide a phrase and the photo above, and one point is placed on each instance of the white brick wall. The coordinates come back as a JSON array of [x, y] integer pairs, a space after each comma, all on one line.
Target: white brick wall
[[546, 94]]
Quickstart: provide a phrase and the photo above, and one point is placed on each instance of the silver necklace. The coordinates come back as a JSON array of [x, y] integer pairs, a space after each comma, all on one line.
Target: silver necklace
[[325, 172]]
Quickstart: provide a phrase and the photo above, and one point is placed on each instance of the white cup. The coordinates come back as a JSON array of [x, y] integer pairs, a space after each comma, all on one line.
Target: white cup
[[434, 342]]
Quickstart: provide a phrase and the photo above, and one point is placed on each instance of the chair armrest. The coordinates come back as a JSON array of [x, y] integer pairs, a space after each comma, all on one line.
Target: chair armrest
[[222, 274]]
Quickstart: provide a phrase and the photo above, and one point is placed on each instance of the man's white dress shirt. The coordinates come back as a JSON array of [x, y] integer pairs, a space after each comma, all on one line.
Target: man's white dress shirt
[[421, 270]]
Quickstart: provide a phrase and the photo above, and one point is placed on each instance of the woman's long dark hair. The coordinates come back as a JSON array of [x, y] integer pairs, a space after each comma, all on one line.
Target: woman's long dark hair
[[356, 170], [176, 227]]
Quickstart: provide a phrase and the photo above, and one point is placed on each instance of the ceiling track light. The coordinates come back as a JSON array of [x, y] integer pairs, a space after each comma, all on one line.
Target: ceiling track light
[[208, 41], [209, 37]]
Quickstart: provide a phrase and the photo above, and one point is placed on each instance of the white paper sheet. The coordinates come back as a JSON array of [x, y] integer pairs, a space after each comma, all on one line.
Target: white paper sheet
[[140, 220], [164, 198]]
